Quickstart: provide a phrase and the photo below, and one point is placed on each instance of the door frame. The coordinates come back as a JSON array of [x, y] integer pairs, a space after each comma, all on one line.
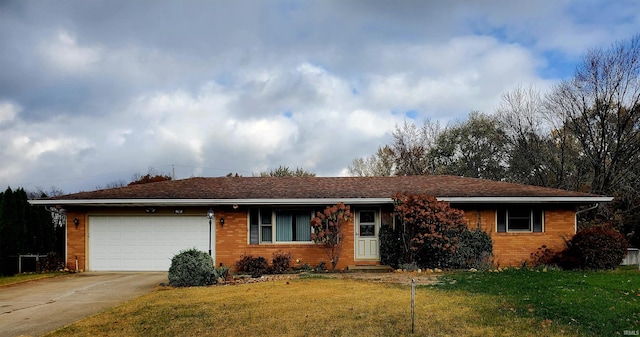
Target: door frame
[[356, 232]]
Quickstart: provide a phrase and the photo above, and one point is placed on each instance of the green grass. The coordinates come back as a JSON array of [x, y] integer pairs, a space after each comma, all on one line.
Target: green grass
[[26, 277], [602, 303]]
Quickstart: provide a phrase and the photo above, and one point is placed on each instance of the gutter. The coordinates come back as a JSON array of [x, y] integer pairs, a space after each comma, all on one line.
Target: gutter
[[308, 201], [594, 206]]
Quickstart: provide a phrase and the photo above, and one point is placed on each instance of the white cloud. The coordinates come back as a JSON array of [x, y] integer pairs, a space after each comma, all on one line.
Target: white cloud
[[243, 88], [262, 136], [8, 112], [64, 53], [368, 123]]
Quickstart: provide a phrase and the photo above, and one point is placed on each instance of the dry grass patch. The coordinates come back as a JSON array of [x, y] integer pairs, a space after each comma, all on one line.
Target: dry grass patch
[[307, 307], [26, 277]]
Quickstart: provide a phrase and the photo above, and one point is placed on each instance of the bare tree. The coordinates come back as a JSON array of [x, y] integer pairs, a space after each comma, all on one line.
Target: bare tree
[[541, 151], [285, 171], [412, 145], [379, 164], [600, 105]]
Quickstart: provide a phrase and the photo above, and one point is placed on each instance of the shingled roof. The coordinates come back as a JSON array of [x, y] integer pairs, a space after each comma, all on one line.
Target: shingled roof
[[201, 190]]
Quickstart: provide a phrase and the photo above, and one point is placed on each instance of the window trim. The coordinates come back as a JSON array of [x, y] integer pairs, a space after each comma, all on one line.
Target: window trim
[[504, 212], [273, 218]]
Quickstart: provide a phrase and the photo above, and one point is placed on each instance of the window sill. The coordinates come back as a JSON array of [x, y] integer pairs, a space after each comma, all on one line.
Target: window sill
[[519, 233], [293, 243]]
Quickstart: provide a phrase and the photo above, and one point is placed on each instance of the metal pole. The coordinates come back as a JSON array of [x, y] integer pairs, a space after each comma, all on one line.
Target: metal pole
[[209, 236], [413, 298]]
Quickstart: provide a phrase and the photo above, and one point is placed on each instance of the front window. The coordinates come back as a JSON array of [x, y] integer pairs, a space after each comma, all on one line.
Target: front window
[[290, 226], [520, 219]]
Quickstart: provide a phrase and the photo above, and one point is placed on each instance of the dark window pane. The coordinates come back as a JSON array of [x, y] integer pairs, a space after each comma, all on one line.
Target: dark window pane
[[266, 234], [265, 216], [501, 221], [367, 230], [519, 219], [254, 238], [538, 217], [367, 216], [519, 224]]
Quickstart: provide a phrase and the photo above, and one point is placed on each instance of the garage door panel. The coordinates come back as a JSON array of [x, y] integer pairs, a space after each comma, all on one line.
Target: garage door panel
[[143, 243]]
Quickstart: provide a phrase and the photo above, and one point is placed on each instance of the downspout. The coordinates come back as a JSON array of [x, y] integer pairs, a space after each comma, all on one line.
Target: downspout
[[582, 211]]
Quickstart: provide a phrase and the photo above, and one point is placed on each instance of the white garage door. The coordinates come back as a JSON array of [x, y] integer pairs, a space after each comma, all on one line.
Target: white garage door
[[144, 243]]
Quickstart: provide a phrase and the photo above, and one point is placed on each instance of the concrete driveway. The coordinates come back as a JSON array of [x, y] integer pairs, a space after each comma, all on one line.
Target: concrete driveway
[[35, 308]]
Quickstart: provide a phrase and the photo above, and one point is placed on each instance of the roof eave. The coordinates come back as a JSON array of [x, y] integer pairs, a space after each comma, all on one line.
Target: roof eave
[[526, 200], [311, 201]]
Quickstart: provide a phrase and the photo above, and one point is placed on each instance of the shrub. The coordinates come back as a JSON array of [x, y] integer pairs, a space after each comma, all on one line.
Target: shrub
[[53, 262], [281, 262], [474, 250], [390, 247], [191, 267], [429, 229], [220, 273], [596, 248], [256, 266], [545, 256], [328, 230]]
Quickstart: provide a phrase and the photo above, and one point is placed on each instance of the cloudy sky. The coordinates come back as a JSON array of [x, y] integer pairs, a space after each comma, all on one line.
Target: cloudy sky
[[92, 92]]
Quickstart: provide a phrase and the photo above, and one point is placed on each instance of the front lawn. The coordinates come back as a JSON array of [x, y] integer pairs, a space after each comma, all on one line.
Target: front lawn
[[309, 307], [599, 303], [508, 303]]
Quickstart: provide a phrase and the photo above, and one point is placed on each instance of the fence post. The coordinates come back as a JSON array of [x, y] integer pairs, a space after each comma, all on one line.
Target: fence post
[[413, 301]]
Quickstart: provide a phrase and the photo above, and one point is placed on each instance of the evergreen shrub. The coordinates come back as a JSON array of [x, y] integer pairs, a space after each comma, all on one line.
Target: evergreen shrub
[[390, 247], [474, 250], [190, 268]]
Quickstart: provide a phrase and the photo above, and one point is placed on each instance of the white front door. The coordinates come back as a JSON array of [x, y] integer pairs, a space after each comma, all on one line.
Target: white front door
[[366, 241]]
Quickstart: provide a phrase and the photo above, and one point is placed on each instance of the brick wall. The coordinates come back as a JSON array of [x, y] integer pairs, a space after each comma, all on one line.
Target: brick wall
[[511, 249], [232, 242], [76, 240]]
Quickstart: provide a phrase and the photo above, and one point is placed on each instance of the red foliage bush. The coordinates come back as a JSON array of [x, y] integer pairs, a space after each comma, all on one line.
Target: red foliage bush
[[328, 227], [281, 262], [256, 266], [596, 248], [430, 228]]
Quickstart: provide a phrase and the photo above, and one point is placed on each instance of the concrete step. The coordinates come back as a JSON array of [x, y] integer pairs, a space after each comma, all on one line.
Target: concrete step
[[370, 269]]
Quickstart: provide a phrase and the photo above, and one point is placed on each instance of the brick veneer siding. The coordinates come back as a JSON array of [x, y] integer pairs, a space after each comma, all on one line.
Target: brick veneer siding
[[232, 242], [510, 249], [76, 241]]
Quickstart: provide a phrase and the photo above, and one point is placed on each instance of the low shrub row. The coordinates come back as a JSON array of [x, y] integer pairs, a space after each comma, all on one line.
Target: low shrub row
[[281, 263], [473, 250]]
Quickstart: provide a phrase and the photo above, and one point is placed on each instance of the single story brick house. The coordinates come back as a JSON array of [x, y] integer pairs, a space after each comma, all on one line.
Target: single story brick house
[[140, 227]]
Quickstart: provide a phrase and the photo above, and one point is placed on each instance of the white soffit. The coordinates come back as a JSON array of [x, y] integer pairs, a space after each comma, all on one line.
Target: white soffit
[[349, 201]]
